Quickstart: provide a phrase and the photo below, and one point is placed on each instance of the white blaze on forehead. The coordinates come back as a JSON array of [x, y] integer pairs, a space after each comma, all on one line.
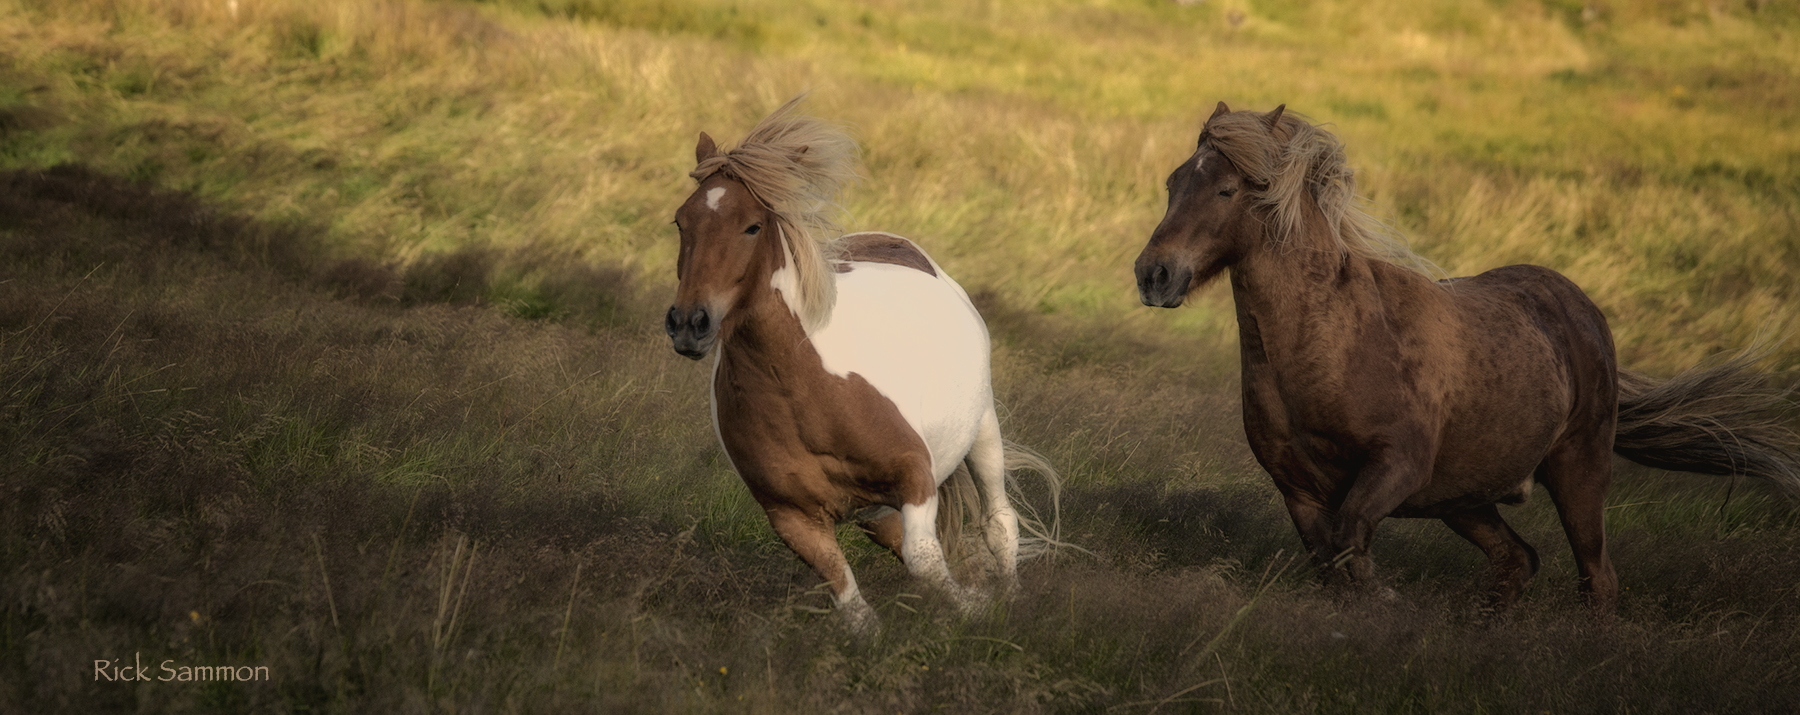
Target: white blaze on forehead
[[713, 195]]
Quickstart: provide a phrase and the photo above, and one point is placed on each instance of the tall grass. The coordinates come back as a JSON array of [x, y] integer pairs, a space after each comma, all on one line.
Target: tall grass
[[1645, 151], [336, 352], [217, 455]]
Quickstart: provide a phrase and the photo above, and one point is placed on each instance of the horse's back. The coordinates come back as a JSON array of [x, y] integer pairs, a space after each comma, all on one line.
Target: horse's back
[[1531, 303], [882, 247], [912, 333], [1573, 328]]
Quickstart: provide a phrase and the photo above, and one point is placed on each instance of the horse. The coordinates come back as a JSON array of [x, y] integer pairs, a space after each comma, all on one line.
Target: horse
[[851, 376], [1371, 390]]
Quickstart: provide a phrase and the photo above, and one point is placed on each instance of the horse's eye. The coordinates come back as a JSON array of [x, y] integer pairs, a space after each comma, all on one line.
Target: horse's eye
[[754, 229], [1227, 192]]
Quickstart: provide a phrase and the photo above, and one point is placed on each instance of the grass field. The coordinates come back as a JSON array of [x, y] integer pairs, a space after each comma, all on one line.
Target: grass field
[[329, 343]]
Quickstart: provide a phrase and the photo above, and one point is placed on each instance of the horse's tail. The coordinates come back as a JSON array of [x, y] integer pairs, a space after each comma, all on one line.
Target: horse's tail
[[960, 505], [1724, 419], [1039, 536]]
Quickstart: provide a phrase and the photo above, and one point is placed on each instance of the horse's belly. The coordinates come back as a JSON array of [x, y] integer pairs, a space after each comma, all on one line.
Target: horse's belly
[[1499, 429], [1472, 471], [919, 342], [1442, 497]]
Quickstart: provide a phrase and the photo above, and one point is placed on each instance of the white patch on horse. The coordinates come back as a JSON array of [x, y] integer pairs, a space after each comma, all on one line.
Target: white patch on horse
[[882, 233], [919, 342], [924, 554], [851, 592], [713, 195], [854, 608], [919, 546], [785, 280], [712, 393], [1197, 163], [1524, 491]]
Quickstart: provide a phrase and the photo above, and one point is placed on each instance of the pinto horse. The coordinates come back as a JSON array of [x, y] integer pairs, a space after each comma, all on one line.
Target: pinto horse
[[1370, 390], [850, 375]]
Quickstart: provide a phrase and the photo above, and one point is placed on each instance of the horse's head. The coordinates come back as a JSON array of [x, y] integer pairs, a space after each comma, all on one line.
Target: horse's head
[[1208, 226], [729, 247]]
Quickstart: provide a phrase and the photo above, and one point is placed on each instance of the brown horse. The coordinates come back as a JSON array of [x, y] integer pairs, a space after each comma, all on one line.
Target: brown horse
[[851, 376], [1370, 390]]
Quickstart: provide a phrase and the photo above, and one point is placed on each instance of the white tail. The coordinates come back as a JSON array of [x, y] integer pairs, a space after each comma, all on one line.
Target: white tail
[[959, 504], [1041, 537]]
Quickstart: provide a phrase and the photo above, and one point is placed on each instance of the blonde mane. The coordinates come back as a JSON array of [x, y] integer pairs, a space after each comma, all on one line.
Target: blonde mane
[[796, 166], [1299, 156]]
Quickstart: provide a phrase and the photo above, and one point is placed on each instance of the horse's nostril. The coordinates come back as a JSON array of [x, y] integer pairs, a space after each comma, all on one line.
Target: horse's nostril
[[670, 323], [701, 320], [1160, 277]]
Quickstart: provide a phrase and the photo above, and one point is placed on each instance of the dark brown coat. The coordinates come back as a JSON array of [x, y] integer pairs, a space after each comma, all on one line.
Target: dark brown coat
[[1370, 390]]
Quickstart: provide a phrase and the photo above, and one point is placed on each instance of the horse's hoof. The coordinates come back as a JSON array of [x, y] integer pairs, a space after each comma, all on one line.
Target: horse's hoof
[[860, 618], [971, 602]]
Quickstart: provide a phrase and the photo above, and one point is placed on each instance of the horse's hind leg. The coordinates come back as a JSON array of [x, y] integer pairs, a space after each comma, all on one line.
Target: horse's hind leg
[[987, 464], [924, 554], [887, 530], [1513, 561], [815, 541], [1576, 474]]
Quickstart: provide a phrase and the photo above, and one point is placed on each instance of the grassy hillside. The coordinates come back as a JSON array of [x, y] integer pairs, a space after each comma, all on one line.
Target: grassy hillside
[[219, 454], [330, 344], [1649, 152]]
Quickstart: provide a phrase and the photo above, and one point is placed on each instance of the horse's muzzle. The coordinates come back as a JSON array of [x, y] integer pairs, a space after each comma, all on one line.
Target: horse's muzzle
[[1159, 286], [692, 329]]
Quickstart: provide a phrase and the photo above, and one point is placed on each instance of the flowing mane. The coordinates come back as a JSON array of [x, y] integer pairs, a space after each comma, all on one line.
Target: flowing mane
[[1307, 158], [796, 166]]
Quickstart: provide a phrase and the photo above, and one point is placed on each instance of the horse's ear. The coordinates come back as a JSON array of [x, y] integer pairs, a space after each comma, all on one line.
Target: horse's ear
[[1273, 119], [1220, 112], [705, 149]]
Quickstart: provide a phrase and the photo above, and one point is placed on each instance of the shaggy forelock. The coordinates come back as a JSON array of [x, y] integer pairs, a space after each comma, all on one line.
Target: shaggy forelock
[[796, 166], [1297, 159]]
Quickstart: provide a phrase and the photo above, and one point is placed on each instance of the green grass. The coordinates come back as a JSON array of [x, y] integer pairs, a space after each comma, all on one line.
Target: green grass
[[337, 350], [1649, 153]]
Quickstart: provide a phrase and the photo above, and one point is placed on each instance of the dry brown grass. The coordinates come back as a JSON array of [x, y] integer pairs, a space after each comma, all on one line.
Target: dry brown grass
[[1643, 151], [219, 455]]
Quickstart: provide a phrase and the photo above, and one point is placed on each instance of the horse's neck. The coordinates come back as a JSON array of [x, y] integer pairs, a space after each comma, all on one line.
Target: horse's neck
[[763, 331], [1297, 303], [765, 336]]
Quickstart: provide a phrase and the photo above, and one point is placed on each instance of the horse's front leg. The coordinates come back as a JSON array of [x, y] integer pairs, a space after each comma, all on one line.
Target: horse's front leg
[[813, 537], [1316, 528], [1389, 477]]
